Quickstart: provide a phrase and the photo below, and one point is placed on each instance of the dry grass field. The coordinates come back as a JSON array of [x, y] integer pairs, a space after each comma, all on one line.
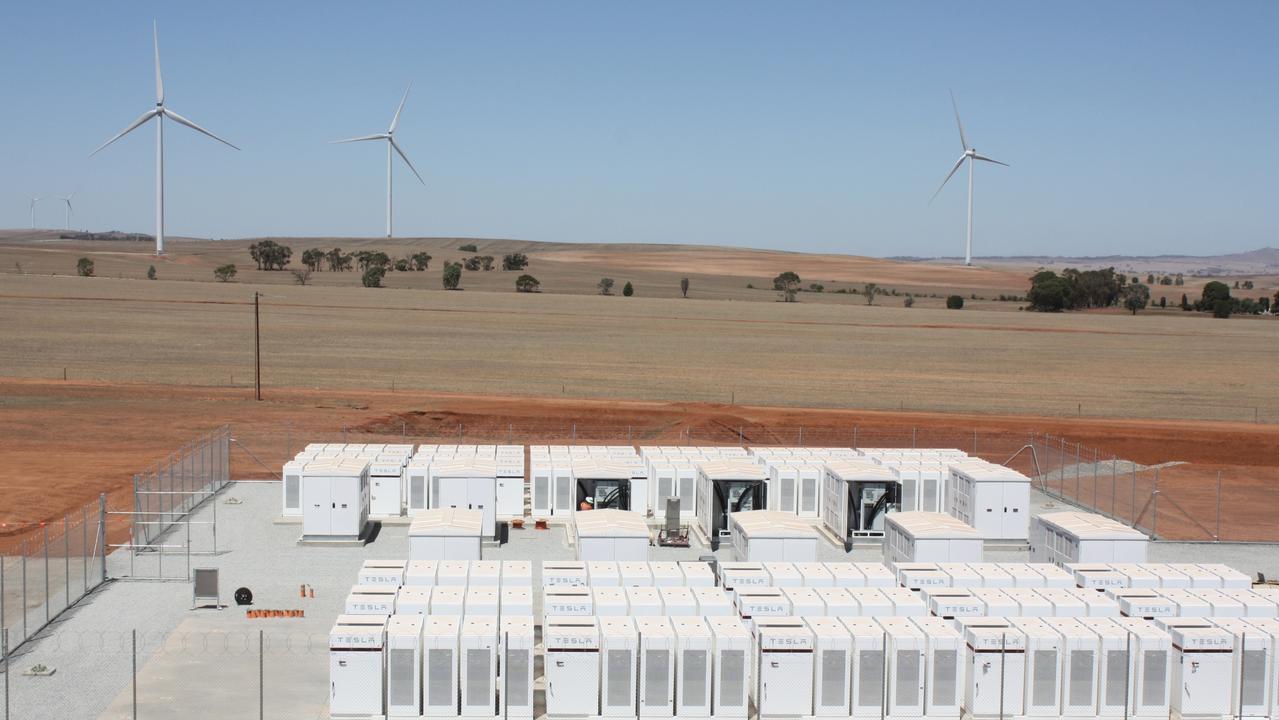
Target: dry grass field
[[151, 364], [1155, 365]]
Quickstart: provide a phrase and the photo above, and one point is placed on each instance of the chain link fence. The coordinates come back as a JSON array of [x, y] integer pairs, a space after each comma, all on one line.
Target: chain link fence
[[47, 569]]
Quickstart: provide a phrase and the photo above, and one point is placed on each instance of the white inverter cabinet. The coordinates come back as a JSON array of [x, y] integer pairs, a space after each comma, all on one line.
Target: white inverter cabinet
[[784, 685], [335, 500], [992, 498]]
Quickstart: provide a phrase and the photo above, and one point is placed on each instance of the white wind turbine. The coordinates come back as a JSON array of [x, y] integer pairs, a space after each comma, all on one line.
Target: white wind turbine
[[34, 200], [970, 154], [70, 212], [159, 112], [389, 137]]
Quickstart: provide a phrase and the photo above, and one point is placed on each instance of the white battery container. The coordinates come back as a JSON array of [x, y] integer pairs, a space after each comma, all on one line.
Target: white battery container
[[942, 672], [783, 574], [995, 658], [483, 600], [832, 666], [837, 602], [448, 600], [694, 664], [517, 573], [696, 573], [478, 662], [421, 572], [410, 600], [357, 660], [572, 665], [804, 601], [815, 574], [485, 573], [731, 667], [440, 635], [635, 574], [603, 573], [387, 573], [517, 641], [619, 657], [610, 601], [666, 573], [558, 573], [516, 600], [712, 601], [678, 601]]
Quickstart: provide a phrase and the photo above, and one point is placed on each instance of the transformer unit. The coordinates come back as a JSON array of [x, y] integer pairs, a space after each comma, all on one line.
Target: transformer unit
[[725, 487], [335, 500], [856, 498]]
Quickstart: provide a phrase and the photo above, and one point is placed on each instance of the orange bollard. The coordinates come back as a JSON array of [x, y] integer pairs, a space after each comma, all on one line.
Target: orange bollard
[[312, 593], [302, 590]]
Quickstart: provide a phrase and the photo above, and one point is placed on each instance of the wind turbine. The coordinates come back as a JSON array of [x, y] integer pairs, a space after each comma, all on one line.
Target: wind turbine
[[970, 154], [34, 200], [70, 212], [159, 112], [389, 137]]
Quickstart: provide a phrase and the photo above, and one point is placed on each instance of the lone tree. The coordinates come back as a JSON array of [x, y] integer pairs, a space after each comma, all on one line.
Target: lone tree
[[627, 289], [469, 247], [372, 277], [302, 276], [472, 263], [683, 287], [870, 290], [605, 286], [955, 302], [787, 285], [84, 267], [1212, 293], [452, 275], [1136, 297], [224, 273], [486, 263], [908, 302], [402, 265], [527, 284], [151, 272], [514, 261]]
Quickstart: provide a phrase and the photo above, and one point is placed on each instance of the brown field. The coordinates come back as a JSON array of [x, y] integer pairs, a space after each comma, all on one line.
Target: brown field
[[153, 364]]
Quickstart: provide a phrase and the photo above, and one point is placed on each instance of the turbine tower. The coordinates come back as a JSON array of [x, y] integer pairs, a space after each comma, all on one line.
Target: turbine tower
[[389, 137], [970, 154], [70, 212], [159, 112], [34, 200]]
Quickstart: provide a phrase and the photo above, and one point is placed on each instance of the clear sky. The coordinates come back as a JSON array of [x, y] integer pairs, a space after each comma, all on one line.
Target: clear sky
[[1132, 127]]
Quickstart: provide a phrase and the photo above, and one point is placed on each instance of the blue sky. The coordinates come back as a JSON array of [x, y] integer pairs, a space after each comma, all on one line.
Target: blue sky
[[1131, 127]]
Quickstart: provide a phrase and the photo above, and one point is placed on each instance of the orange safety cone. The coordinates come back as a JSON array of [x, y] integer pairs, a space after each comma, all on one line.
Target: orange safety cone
[[302, 590], [312, 592]]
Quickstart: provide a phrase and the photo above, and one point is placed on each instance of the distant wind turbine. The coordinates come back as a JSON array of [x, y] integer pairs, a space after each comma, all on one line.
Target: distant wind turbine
[[970, 154], [389, 137], [70, 212], [159, 112], [34, 200]]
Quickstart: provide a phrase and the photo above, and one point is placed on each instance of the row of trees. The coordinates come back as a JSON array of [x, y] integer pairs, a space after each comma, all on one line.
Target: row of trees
[[270, 255], [1078, 289]]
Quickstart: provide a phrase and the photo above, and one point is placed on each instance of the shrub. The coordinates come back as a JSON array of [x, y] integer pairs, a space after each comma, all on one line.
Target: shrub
[[151, 273], [816, 287], [302, 277], [486, 263], [627, 289], [870, 290], [605, 286], [472, 263], [1136, 297], [402, 265], [420, 261], [84, 267], [452, 275], [908, 302], [469, 247], [955, 302], [1222, 308], [372, 277], [224, 273], [683, 286], [527, 284]]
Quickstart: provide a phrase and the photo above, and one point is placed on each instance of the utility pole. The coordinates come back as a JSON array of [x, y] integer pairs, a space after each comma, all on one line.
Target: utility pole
[[257, 348]]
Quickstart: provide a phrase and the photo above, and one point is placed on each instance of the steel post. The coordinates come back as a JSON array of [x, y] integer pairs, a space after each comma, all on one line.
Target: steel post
[[1003, 664], [261, 678], [66, 560], [1217, 536], [134, 642], [44, 532], [24, 589]]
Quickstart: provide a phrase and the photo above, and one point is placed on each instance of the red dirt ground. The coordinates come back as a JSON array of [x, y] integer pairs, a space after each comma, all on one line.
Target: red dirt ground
[[65, 442]]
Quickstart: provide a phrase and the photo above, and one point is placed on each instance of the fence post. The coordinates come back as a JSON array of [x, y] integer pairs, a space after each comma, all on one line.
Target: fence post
[[913, 432], [4, 655], [1217, 536], [855, 437], [84, 544], [974, 442], [1003, 664], [1094, 479], [66, 560], [1114, 476], [24, 589], [102, 532], [801, 436], [4, 624], [1134, 496], [1078, 497], [1154, 508], [261, 678], [44, 533], [134, 642]]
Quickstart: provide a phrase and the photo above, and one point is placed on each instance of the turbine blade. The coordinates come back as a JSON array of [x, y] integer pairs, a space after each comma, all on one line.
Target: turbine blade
[[195, 127], [959, 123], [145, 117], [948, 177], [989, 160], [395, 121], [406, 159], [159, 81], [362, 138]]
